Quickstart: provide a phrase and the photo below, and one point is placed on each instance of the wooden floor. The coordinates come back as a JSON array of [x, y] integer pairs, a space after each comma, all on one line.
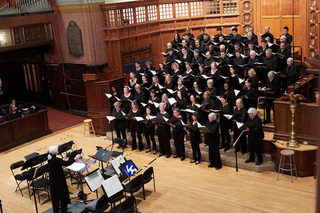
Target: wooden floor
[[180, 186]]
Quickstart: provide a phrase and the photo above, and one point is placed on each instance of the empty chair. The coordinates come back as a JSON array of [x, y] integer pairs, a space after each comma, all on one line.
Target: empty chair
[[148, 175], [129, 205], [98, 205], [19, 178], [116, 197], [135, 185]]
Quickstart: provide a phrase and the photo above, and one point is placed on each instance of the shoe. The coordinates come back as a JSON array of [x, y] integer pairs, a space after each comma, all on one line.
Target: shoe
[[217, 168], [210, 166], [259, 163], [176, 156], [197, 162], [221, 147], [148, 150], [140, 150], [182, 159], [249, 160], [118, 147], [236, 150], [154, 152], [168, 156], [193, 161], [226, 149], [133, 149], [161, 155]]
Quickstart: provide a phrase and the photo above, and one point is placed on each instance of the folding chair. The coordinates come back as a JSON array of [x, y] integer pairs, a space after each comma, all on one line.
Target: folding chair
[[19, 178]]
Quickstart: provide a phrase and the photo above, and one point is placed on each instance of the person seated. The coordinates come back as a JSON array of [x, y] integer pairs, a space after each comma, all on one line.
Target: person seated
[[13, 112]]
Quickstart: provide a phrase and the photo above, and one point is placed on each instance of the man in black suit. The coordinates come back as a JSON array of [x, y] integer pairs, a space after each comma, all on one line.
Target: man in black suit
[[254, 36], [271, 90], [282, 61], [271, 63], [292, 73], [206, 41], [287, 35], [200, 37], [208, 60], [268, 34], [255, 136], [253, 59]]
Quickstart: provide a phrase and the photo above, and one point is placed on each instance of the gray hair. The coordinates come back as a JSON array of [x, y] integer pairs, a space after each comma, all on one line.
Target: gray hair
[[212, 115], [210, 81], [290, 59], [239, 100], [268, 50], [252, 110], [162, 105], [137, 86], [249, 34], [271, 73], [52, 151]]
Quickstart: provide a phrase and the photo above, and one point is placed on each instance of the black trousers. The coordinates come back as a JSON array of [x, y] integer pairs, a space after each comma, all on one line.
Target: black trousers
[[242, 143], [255, 147], [164, 140], [136, 129], [214, 154], [55, 204], [269, 105], [121, 131], [225, 135], [149, 133], [179, 144]]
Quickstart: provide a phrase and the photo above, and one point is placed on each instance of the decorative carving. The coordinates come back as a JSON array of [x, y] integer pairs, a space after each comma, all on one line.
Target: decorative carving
[[74, 39]]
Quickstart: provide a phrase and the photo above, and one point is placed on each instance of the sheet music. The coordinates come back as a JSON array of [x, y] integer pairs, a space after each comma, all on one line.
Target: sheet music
[[123, 113], [108, 95], [156, 104], [76, 167], [94, 180], [236, 92], [161, 87], [117, 162], [198, 105], [172, 101], [112, 185], [118, 99], [240, 80], [227, 116], [188, 110], [182, 123], [239, 125], [143, 104], [165, 119], [199, 125], [139, 118], [199, 92], [110, 118], [171, 91], [152, 117]]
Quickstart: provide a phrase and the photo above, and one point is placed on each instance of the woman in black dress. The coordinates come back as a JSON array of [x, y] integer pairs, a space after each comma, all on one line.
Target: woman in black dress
[[162, 69], [178, 135], [176, 73], [242, 117], [234, 79], [216, 76], [195, 138], [188, 77], [135, 126], [126, 100], [176, 43], [213, 140], [168, 107], [13, 112], [181, 104], [192, 106], [180, 87], [132, 82], [119, 122], [196, 92], [58, 185], [115, 93], [207, 103], [149, 131], [229, 93], [251, 97], [225, 123], [202, 82], [163, 131]]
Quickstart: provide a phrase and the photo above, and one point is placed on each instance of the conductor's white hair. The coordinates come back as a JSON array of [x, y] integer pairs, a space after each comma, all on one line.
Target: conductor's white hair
[[212, 115], [252, 110], [52, 151]]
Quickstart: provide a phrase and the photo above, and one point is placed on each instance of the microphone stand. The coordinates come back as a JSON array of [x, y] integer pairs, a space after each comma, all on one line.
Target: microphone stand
[[234, 145]]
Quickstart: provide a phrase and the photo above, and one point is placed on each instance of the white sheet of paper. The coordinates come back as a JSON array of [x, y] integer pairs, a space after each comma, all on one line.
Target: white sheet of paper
[[239, 125], [116, 163], [76, 167], [112, 185], [241, 81], [139, 118], [110, 118], [172, 101], [118, 99], [171, 91], [224, 77], [143, 104], [123, 113], [227, 116], [236, 92], [156, 104], [197, 105], [205, 77], [165, 119], [199, 125], [198, 92], [108, 95], [152, 117], [160, 87], [188, 110], [182, 123], [153, 72], [94, 180]]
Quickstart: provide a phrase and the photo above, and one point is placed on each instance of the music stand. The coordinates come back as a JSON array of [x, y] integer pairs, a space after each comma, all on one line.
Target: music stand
[[65, 147], [41, 170], [94, 180], [32, 155], [102, 155], [73, 154], [128, 169], [34, 161]]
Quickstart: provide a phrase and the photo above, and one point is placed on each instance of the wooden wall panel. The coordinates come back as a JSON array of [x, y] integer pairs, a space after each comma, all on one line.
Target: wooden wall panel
[[270, 8]]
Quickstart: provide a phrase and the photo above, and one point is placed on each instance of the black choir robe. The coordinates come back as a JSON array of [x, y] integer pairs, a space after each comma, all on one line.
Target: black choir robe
[[213, 140]]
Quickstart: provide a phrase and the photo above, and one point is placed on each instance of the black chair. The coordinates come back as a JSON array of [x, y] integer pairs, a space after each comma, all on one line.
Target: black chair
[[148, 175], [40, 183], [116, 197], [98, 205], [1, 207], [135, 185], [122, 143], [129, 205], [19, 178]]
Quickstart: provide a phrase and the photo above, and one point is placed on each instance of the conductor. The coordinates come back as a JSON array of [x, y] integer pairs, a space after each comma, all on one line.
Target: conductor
[[58, 184]]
